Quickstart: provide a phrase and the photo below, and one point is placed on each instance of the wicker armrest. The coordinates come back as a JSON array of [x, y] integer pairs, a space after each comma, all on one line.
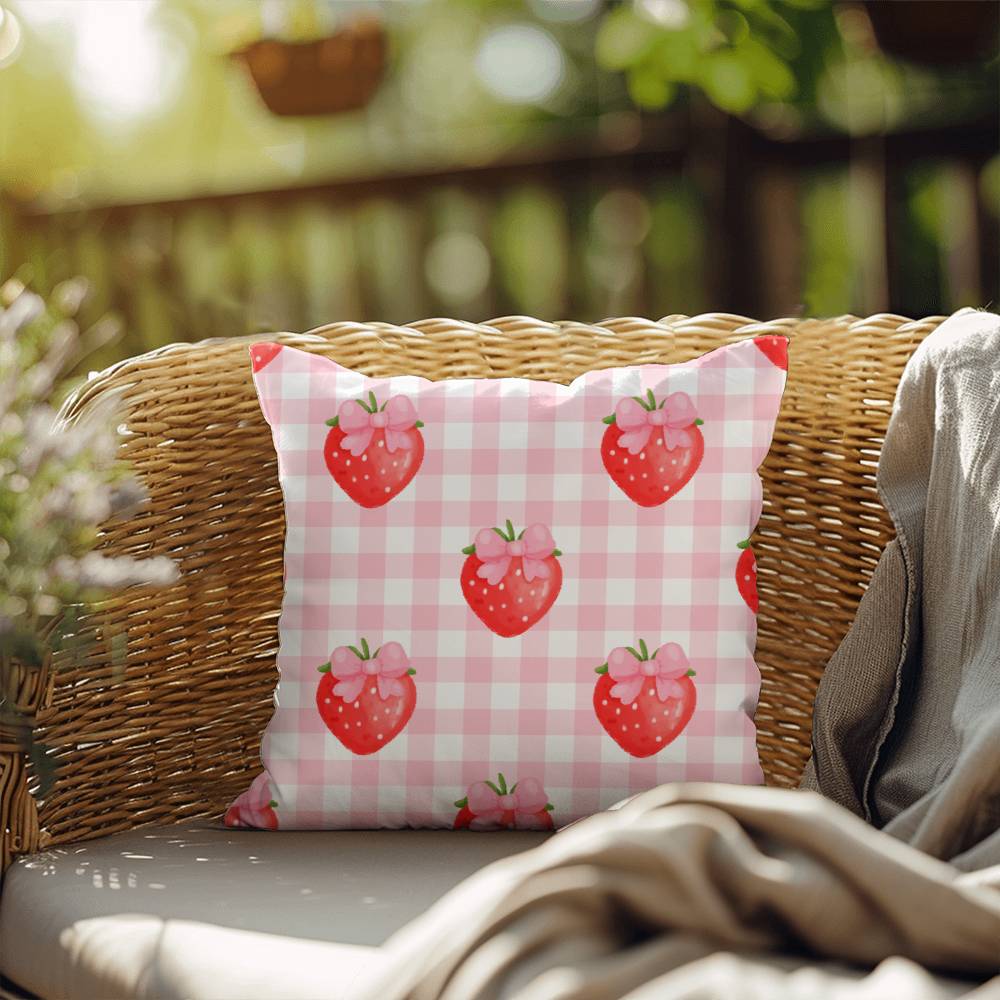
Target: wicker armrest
[[174, 732]]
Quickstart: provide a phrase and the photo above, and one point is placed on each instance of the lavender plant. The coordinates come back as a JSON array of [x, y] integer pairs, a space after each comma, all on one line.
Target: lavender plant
[[59, 482]]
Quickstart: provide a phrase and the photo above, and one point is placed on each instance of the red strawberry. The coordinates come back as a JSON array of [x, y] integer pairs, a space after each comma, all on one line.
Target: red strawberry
[[264, 818], [775, 348], [644, 702], [373, 452], [489, 806], [510, 581], [464, 818], [365, 698], [652, 449], [255, 807], [746, 576], [262, 354]]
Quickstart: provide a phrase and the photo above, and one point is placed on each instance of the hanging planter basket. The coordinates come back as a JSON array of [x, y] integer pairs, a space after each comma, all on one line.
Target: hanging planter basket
[[935, 32], [340, 72]]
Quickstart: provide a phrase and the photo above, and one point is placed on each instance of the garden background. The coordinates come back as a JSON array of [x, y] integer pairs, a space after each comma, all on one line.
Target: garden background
[[475, 158]]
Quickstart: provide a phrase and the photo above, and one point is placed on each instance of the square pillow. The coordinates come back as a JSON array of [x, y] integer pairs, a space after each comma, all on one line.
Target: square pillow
[[511, 603]]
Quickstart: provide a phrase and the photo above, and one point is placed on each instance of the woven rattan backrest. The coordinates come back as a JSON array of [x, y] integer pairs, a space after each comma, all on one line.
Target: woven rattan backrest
[[174, 732]]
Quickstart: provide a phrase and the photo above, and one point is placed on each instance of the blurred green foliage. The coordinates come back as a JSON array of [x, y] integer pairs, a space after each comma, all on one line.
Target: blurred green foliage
[[737, 51], [138, 101]]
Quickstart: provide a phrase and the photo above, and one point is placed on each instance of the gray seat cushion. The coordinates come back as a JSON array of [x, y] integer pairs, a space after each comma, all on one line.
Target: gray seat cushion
[[201, 911]]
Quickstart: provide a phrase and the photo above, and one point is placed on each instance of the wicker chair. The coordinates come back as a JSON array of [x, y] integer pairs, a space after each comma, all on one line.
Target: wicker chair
[[173, 733]]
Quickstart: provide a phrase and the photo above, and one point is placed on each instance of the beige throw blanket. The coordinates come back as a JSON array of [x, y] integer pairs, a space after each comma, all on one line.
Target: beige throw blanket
[[715, 891]]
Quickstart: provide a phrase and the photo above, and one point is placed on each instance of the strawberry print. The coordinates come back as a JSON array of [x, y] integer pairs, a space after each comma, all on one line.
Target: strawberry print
[[262, 355], [746, 576], [510, 581], [644, 702], [366, 698], [775, 349], [255, 807], [651, 449], [374, 451], [492, 806]]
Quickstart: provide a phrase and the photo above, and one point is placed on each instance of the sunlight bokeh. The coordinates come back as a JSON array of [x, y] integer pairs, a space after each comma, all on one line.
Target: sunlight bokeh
[[555, 157], [123, 63]]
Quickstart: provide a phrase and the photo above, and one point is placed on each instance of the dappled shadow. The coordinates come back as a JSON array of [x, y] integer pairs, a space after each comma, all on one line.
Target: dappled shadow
[[354, 887]]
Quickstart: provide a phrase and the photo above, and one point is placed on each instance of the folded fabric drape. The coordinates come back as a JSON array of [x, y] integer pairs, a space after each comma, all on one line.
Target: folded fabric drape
[[906, 729], [719, 891]]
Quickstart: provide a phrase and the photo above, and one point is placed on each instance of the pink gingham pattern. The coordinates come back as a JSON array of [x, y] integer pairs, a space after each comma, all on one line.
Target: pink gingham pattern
[[528, 451]]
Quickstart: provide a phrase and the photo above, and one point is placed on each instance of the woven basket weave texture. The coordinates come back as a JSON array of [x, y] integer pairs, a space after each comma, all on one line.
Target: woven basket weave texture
[[174, 732]]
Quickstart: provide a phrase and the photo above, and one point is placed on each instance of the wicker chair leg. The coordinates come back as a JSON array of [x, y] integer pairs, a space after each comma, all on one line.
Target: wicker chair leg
[[29, 691]]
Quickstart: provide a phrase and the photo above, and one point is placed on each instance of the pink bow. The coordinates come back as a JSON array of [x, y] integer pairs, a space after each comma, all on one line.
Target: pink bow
[[386, 667], [526, 800], [636, 422], [533, 547], [666, 667], [358, 425]]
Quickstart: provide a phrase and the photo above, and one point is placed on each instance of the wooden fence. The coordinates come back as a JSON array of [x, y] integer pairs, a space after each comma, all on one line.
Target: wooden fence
[[716, 217]]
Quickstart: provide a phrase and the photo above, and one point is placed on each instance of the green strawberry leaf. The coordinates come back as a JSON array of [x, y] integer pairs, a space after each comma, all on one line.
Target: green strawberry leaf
[[272, 804], [645, 650], [698, 421], [691, 673], [634, 652], [365, 649], [410, 672], [549, 807], [333, 422], [609, 420], [357, 652], [557, 552], [510, 532], [503, 784], [602, 669], [461, 803], [494, 787], [651, 398], [469, 549], [324, 669], [374, 401], [419, 423], [745, 544]]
